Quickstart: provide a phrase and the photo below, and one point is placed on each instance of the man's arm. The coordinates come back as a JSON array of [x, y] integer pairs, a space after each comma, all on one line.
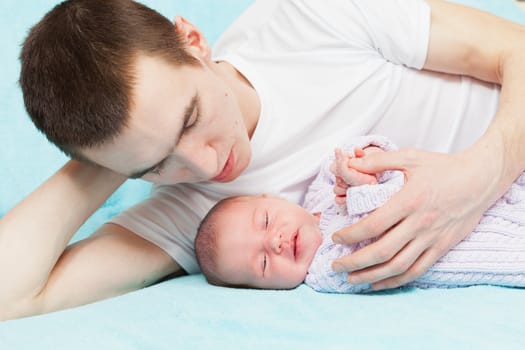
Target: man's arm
[[445, 195], [40, 275]]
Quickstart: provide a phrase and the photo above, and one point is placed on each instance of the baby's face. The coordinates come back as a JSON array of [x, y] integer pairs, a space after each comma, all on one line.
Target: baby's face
[[266, 242]]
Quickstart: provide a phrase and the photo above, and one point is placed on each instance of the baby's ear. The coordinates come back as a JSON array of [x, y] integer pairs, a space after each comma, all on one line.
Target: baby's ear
[[317, 216]]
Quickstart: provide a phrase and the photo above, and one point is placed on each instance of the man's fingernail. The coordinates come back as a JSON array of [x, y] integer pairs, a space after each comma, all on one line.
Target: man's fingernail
[[378, 286], [353, 279], [337, 267], [337, 239]]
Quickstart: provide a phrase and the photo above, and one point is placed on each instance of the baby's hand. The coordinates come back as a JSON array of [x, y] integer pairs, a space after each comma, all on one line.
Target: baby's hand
[[346, 176]]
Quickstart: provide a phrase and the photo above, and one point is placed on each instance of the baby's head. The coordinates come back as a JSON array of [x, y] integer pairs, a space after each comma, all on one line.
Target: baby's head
[[257, 241]]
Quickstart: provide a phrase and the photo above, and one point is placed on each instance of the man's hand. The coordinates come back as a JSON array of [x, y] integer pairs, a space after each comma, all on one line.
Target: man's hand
[[444, 196], [441, 202]]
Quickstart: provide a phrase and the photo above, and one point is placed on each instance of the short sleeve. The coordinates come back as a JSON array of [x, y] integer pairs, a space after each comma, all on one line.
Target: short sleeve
[[399, 29], [167, 220]]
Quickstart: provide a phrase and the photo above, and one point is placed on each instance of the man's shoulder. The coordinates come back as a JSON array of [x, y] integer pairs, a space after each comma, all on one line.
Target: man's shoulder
[[253, 17]]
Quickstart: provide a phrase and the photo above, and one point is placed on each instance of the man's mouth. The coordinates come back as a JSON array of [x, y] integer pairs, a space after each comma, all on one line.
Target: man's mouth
[[226, 170]]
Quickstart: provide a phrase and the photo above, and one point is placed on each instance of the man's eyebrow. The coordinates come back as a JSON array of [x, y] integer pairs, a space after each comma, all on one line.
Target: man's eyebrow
[[188, 111]]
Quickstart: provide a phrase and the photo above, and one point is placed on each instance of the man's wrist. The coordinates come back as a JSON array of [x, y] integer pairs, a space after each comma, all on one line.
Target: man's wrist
[[498, 151]]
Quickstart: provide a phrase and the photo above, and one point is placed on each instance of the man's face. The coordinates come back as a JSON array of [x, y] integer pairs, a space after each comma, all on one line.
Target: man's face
[[266, 242], [185, 125]]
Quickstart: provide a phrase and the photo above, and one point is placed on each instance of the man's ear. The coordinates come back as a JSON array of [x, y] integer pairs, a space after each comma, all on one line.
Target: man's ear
[[196, 43]]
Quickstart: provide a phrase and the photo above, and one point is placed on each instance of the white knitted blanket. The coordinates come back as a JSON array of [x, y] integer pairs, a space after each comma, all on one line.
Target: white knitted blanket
[[494, 253]]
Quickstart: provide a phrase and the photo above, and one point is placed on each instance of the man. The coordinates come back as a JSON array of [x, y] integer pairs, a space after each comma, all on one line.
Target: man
[[109, 85]]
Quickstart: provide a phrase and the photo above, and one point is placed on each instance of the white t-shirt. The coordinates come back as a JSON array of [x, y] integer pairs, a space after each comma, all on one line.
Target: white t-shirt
[[324, 71]]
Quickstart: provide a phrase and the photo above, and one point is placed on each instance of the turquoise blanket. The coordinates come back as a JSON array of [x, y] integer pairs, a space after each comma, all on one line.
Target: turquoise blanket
[[187, 313]]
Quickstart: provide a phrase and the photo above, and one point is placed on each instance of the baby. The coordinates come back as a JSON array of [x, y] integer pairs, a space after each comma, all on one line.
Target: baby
[[267, 242]]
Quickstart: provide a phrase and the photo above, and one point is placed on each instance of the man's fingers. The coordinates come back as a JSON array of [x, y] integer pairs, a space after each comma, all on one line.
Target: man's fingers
[[378, 222], [394, 267], [381, 161], [420, 266], [376, 253]]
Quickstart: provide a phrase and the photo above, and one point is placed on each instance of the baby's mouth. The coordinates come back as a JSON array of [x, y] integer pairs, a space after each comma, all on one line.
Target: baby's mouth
[[294, 244]]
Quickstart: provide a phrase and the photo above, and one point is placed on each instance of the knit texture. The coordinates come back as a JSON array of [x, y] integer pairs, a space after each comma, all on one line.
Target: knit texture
[[493, 253]]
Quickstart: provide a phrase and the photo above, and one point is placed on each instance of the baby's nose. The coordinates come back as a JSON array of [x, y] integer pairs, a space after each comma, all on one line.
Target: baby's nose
[[276, 242]]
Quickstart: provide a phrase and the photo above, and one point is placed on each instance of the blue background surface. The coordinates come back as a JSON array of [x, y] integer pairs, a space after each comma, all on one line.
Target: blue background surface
[[189, 314]]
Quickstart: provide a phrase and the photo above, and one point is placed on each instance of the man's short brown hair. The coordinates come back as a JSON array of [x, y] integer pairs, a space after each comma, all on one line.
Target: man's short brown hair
[[77, 67]]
